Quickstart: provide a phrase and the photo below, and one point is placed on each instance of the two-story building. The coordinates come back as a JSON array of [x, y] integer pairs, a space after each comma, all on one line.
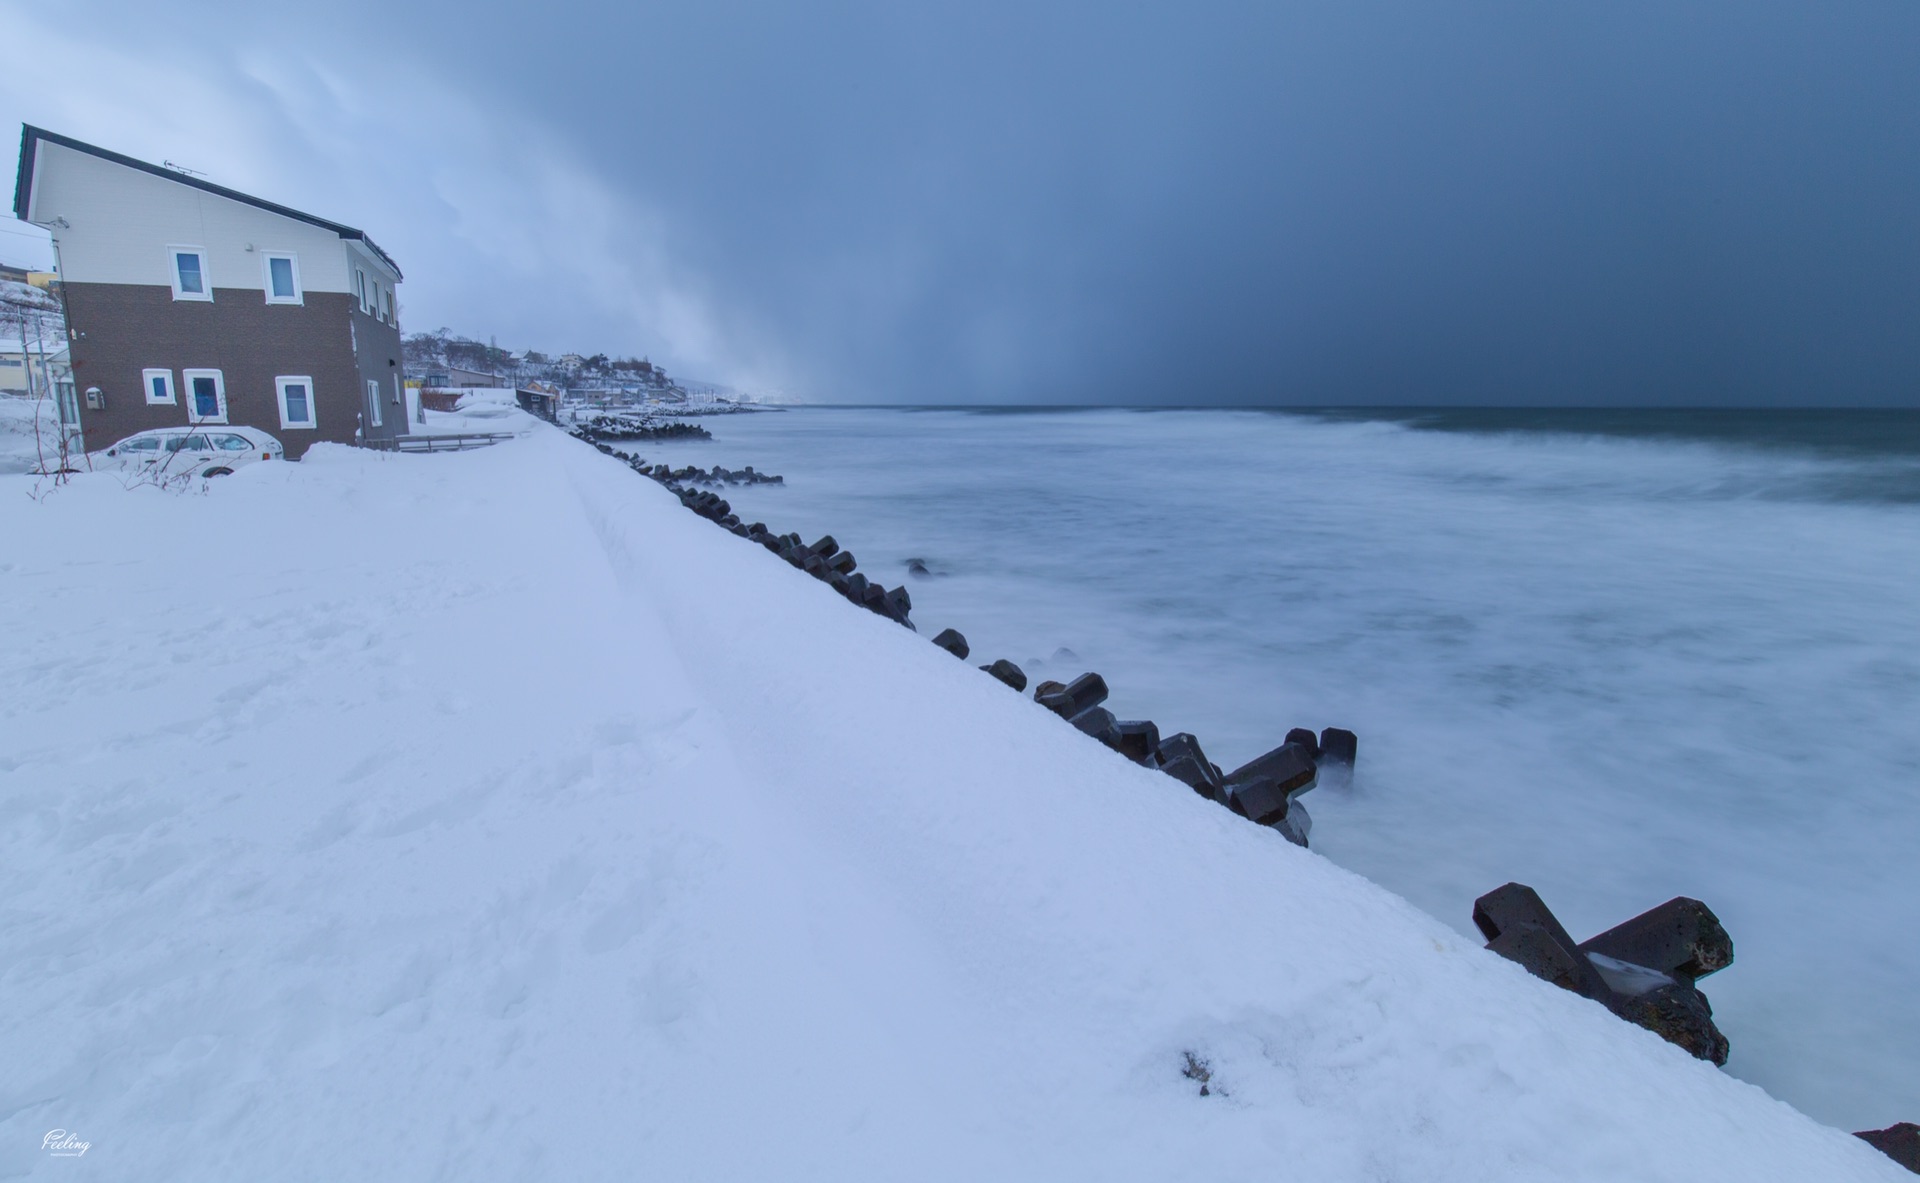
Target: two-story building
[[188, 302]]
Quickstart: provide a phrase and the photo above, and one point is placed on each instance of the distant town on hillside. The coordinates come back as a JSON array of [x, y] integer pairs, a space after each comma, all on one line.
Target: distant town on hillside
[[443, 358]]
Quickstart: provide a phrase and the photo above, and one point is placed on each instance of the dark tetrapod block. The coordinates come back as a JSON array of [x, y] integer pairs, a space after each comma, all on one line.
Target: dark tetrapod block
[[1082, 694], [1307, 741], [1138, 738], [1100, 724], [1681, 937], [1520, 927], [825, 547], [1008, 672], [1262, 802], [1339, 746], [1296, 824], [951, 640], [1180, 757], [1289, 766], [1899, 1142]]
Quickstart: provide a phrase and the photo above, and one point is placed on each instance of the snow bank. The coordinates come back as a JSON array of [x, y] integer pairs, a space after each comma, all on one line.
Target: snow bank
[[488, 816], [29, 433]]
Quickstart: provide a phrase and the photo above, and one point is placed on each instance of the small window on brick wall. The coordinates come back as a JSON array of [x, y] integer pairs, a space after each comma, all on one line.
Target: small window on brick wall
[[159, 387]]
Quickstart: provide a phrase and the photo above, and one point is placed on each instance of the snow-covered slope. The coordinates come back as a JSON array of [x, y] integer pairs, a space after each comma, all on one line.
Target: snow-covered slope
[[489, 816]]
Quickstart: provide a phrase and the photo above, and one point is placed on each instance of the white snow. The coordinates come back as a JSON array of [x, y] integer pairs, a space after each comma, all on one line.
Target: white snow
[[29, 433], [488, 816]]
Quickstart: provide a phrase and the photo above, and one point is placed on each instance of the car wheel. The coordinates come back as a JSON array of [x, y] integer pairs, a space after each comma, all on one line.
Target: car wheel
[[218, 471]]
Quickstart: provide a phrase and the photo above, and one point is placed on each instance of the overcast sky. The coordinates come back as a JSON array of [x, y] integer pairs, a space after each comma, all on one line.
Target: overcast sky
[[1395, 201]]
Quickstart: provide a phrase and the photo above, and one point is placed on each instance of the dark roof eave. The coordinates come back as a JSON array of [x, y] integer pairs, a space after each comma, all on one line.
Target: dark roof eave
[[30, 136]]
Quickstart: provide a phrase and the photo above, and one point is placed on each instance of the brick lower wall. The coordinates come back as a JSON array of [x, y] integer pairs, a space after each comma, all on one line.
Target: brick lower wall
[[122, 329]]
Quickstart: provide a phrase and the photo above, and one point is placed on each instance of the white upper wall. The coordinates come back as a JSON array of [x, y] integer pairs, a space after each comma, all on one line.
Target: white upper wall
[[122, 220]]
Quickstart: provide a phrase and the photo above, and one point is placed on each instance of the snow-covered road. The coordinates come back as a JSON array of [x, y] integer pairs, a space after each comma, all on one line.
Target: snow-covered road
[[488, 816]]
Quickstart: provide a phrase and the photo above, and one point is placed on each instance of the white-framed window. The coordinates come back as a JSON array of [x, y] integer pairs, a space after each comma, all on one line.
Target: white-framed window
[[188, 267], [282, 277], [399, 394], [159, 387], [386, 305], [360, 285], [206, 392], [295, 392], [373, 403]]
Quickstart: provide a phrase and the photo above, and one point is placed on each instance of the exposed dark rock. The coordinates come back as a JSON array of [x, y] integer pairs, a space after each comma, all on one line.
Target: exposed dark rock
[[1677, 1013], [1899, 1142], [952, 642], [620, 427], [1008, 672], [1138, 739]]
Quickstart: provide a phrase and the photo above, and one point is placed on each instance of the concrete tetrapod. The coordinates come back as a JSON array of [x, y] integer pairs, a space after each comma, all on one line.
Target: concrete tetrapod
[[1682, 935]]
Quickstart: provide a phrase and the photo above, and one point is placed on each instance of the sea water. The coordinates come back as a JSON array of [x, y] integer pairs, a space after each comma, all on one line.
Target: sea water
[[1617, 656]]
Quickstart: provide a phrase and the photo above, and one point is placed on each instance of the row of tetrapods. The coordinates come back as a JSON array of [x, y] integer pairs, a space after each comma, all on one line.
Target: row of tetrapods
[[1643, 970]]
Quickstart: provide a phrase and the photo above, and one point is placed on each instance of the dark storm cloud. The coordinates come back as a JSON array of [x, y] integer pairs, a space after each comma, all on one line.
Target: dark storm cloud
[[1356, 202]]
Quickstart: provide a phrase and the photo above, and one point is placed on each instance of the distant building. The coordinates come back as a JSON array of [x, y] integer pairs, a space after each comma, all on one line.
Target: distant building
[[455, 378], [24, 369], [188, 302]]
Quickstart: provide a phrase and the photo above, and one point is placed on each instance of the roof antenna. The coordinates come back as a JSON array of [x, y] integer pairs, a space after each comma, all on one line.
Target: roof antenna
[[181, 168]]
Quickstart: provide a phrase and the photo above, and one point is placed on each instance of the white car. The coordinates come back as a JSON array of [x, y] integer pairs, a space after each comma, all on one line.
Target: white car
[[191, 451]]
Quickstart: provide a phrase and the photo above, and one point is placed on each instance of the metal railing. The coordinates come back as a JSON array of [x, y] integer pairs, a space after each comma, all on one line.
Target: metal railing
[[439, 443]]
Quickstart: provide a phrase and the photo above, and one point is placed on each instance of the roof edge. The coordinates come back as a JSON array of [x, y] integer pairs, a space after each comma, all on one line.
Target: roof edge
[[23, 180], [30, 137]]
